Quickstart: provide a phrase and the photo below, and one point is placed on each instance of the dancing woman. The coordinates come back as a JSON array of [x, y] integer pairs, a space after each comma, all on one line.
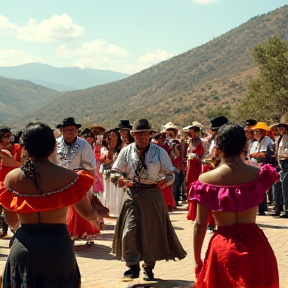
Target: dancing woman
[[39, 195], [239, 254]]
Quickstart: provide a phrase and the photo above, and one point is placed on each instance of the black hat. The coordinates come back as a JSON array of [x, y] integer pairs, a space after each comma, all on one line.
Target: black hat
[[250, 122], [124, 124], [68, 122], [217, 122], [141, 125]]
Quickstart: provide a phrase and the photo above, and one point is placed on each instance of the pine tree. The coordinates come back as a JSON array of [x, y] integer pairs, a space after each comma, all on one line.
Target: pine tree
[[267, 96]]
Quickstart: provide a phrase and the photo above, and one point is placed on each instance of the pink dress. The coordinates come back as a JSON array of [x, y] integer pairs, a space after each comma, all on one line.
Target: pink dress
[[238, 255]]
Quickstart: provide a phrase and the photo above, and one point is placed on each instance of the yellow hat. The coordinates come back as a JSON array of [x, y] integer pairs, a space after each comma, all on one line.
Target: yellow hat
[[261, 125]]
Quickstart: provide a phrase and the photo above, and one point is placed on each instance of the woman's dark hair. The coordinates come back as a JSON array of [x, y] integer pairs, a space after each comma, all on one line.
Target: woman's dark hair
[[195, 128], [3, 131], [106, 136], [39, 140], [130, 138], [161, 134], [231, 139], [87, 133]]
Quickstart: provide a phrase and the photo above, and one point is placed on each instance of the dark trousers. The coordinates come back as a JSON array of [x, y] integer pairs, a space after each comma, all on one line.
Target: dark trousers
[[3, 224], [262, 207], [283, 164], [277, 195], [179, 178]]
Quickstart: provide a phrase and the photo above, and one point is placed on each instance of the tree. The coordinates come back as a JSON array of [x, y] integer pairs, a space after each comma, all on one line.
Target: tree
[[267, 96], [216, 111]]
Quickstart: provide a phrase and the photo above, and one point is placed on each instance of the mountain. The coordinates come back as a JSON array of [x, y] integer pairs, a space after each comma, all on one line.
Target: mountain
[[195, 85], [19, 96], [61, 79]]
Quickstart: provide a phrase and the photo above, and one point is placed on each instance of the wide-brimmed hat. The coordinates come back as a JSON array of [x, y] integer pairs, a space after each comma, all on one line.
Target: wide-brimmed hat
[[170, 125], [186, 128], [196, 124], [68, 122], [97, 129], [261, 125], [278, 125], [141, 125], [217, 122], [250, 122], [124, 124]]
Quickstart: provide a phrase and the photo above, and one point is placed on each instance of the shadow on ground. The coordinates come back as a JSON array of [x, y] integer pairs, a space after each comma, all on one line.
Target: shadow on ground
[[272, 226], [95, 251], [159, 284]]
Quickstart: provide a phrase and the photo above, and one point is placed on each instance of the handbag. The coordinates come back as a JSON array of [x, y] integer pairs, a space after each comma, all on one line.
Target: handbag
[[98, 206]]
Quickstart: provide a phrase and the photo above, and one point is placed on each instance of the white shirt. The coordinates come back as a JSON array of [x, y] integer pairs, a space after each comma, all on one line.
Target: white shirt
[[260, 147], [79, 154], [157, 163], [283, 148]]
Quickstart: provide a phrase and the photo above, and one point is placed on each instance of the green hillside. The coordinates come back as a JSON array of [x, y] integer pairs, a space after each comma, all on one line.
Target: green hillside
[[191, 86], [19, 96]]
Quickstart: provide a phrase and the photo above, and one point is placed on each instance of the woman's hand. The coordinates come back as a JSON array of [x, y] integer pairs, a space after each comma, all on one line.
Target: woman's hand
[[162, 184], [198, 267], [95, 223]]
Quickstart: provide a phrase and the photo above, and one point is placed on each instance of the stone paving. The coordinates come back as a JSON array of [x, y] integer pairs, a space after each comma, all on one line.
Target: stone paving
[[100, 269]]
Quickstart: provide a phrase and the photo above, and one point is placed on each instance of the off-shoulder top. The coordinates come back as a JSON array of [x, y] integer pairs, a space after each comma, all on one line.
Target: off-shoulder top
[[234, 198], [66, 196]]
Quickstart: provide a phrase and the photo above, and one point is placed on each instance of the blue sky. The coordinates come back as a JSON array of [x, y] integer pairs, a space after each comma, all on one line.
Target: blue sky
[[121, 35]]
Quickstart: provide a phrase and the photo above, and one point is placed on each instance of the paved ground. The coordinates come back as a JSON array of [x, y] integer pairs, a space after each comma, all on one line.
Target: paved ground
[[100, 269]]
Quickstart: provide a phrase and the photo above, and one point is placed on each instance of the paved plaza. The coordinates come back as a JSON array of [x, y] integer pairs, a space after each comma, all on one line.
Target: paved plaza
[[100, 269]]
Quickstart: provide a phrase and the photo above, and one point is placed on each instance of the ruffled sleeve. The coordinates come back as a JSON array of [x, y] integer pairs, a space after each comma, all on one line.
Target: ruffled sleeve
[[69, 195], [267, 176], [234, 198]]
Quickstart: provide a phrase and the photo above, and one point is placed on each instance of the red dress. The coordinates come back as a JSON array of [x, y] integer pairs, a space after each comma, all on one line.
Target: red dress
[[168, 191], [4, 170], [78, 226], [238, 255], [193, 171]]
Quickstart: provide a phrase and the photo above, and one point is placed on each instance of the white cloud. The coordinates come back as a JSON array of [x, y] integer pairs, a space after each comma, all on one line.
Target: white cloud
[[96, 54], [153, 58], [205, 1], [110, 59], [97, 49], [100, 55], [9, 57], [58, 27], [7, 28]]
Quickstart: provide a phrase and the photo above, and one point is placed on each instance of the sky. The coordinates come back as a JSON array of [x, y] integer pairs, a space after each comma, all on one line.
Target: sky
[[121, 35]]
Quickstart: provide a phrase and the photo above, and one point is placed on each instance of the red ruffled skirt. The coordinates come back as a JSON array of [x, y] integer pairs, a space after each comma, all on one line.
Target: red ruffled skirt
[[78, 226], [239, 256], [192, 205], [168, 197]]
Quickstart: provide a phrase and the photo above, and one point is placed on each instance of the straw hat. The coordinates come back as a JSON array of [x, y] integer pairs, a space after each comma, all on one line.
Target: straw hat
[[170, 125], [97, 129], [261, 125]]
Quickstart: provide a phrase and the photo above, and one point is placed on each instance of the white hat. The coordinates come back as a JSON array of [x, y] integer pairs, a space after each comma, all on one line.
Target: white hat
[[170, 125], [186, 129], [197, 124]]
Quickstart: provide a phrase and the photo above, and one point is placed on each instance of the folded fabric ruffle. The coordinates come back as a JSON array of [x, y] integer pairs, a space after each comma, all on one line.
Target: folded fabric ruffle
[[234, 198], [67, 196]]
